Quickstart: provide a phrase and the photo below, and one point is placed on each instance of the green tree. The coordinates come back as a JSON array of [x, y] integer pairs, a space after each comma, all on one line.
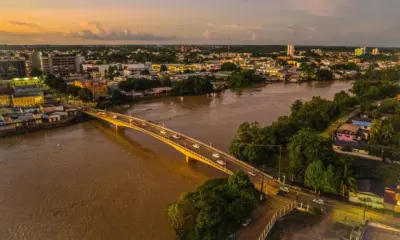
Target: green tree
[[305, 147], [175, 216], [347, 180], [85, 94], [323, 74], [229, 66], [314, 176], [36, 72], [117, 96], [239, 181], [163, 68]]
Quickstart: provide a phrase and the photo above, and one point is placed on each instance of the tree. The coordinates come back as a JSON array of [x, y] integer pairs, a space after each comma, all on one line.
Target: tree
[[382, 132], [229, 66], [323, 74], [36, 72], [390, 106], [331, 180], [239, 181], [175, 216], [163, 68], [344, 99], [347, 180], [85, 94], [314, 176], [145, 72], [305, 147], [117, 96]]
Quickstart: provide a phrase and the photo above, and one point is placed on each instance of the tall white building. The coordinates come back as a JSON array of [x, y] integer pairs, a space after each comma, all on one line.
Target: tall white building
[[36, 60], [290, 50], [62, 65]]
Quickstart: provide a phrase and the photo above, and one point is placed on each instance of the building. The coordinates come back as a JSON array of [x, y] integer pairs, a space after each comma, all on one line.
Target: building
[[375, 51], [360, 51], [174, 67], [98, 87], [12, 69], [290, 50], [62, 65], [347, 132], [5, 95], [36, 60], [27, 99], [370, 193]]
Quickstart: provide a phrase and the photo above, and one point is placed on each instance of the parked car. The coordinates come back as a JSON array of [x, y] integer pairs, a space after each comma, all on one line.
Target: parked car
[[196, 145], [220, 162], [231, 237], [251, 173], [176, 136], [247, 222], [318, 201], [216, 155], [281, 193], [285, 189]]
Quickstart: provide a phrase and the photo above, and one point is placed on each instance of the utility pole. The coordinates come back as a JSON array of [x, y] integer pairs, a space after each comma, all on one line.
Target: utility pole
[[262, 181], [280, 158]]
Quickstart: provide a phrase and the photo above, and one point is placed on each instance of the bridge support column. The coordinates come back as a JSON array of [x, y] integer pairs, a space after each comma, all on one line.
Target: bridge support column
[[188, 159]]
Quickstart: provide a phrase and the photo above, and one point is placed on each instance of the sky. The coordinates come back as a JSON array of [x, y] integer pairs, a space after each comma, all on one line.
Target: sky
[[266, 22]]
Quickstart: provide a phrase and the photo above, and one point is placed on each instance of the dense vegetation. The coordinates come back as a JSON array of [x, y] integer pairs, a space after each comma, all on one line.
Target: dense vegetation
[[193, 85], [214, 210], [59, 84]]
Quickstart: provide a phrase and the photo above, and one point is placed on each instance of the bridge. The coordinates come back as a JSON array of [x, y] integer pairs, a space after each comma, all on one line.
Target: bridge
[[193, 149]]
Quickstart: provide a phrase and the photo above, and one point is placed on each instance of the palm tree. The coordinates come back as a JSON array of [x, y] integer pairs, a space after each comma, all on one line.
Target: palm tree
[[387, 132], [348, 182], [376, 129]]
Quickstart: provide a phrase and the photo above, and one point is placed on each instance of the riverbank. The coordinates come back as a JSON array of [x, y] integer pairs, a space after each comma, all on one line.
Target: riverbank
[[18, 130]]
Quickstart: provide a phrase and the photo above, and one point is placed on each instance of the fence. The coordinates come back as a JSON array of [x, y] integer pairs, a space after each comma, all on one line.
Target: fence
[[282, 212]]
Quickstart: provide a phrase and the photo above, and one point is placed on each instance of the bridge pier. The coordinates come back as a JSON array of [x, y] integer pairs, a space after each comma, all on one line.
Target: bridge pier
[[188, 159]]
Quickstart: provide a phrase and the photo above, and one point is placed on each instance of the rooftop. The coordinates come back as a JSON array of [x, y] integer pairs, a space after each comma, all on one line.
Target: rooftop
[[371, 186], [349, 127]]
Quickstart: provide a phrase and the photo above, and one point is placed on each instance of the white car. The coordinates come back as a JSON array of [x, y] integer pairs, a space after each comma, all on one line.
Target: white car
[[176, 136], [196, 145], [143, 124], [318, 201], [115, 116], [216, 155], [247, 222], [220, 162], [285, 189], [163, 132], [251, 174]]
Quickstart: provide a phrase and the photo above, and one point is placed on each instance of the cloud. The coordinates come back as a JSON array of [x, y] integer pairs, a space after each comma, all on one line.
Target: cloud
[[96, 31], [24, 24], [322, 8], [253, 36], [236, 26], [207, 35]]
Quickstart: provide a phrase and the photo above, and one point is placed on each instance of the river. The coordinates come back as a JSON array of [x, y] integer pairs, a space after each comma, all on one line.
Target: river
[[103, 184]]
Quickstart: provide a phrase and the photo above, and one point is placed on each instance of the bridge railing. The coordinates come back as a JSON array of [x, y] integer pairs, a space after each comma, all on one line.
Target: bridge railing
[[237, 161], [198, 156]]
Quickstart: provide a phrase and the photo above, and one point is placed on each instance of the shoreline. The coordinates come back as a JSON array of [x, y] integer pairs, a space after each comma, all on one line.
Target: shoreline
[[44, 126]]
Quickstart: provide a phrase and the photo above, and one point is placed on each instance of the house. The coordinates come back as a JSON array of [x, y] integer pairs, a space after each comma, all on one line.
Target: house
[[347, 132], [72, 111], [54, 118], [392, 198], [362, 122], [27, 119], [62, 114], [38, 118], [370, 193]]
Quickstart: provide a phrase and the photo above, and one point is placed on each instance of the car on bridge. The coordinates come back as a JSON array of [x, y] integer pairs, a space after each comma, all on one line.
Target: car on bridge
[[251, 173], [163, 132], [220, 162], [176, 136], [196, 145], [216, 155], [115, 116], [284, 189]]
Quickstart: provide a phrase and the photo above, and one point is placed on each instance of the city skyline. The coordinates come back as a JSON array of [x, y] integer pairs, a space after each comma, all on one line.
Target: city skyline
[[309, 22]]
